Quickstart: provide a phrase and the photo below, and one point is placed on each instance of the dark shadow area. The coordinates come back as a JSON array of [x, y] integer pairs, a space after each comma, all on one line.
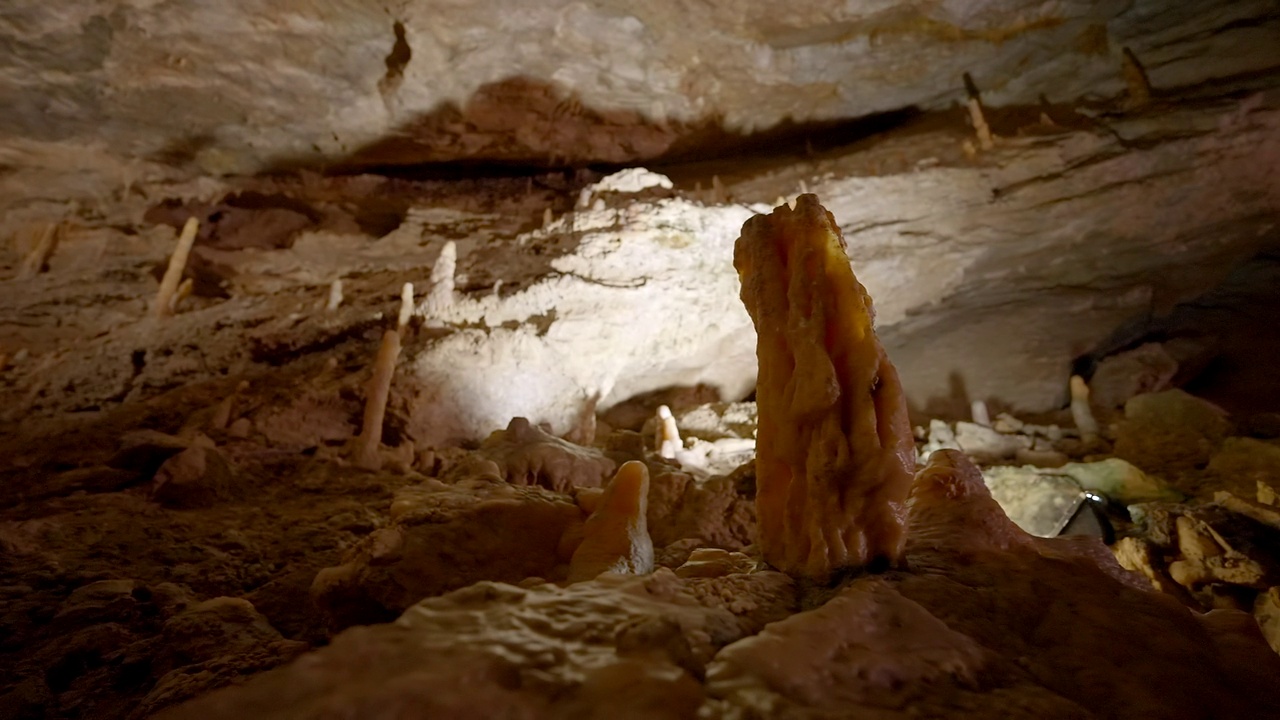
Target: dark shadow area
[[1224, 342], [957, 404], [521, 127], [524, 129]]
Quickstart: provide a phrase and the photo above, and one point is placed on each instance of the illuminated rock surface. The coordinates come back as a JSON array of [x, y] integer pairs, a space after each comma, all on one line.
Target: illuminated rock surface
[[834, 455], [428, 80], [615, 539]]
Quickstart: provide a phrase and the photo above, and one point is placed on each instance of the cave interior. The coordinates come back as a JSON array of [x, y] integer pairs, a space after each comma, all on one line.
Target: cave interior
[[890, 359]]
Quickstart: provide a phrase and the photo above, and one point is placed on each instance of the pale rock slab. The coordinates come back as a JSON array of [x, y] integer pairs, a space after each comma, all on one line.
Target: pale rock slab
[[648, 299], [141, 86], [992, 278]]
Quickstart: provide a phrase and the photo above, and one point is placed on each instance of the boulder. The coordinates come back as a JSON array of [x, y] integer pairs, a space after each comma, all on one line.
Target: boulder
[[1145, 369], [1170, 432], [444, 537]]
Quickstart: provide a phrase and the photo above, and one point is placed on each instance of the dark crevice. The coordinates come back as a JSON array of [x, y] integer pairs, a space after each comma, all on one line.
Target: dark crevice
[[1233, 323], [397, 59]]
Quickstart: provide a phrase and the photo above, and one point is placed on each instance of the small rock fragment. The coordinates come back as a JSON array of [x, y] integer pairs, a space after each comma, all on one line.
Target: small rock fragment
[[1207, 557], [98, 602], [1266, 610], [714, 562], [1041, 458], [986, 444], [941, 437], [196, 477], [1007, 423], [240, 428], [526, 455], [1266, 494], [1137, 555]]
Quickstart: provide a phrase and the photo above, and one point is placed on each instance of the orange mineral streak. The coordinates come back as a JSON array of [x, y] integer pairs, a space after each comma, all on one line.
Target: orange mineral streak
[[834, 452]]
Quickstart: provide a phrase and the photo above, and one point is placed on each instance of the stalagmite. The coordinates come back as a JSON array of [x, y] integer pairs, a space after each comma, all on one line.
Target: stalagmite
[[221, 418], [616, 536], [835, 455], [1135, 78], [1080, 410], [981, 416], [33, 264], [718, 194], [364, 451], [440, 295], [335, 296], [583, 431], [667, 434], [177, 265], [406, 307], [184, 291], [985, 139]]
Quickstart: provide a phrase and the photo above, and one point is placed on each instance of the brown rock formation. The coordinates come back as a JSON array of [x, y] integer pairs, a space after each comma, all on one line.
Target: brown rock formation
[[446, 537], [834, 455], [615, 538]]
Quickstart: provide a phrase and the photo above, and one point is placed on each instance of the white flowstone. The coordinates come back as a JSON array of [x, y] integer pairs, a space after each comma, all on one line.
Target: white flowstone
[[987, 444], [648, 299]]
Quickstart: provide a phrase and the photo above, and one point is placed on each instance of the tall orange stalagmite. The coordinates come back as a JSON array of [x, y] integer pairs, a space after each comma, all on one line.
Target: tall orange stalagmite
[[834, 452]]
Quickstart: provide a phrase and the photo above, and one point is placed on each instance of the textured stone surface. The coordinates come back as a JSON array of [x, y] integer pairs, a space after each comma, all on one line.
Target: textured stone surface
[[955, 257], [254, 84], [442, 538], [713, 511], [645, 299], [1170, 432], [634, 645], [989, 276], [990, 622], [526, 455], [989, 280]]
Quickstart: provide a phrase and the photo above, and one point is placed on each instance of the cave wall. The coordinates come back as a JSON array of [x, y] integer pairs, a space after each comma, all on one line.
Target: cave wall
[[991, 272]]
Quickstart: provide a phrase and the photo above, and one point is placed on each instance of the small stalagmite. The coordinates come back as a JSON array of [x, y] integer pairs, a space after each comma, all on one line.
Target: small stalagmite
[[835, 456], [364, 448], [616, 536]]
